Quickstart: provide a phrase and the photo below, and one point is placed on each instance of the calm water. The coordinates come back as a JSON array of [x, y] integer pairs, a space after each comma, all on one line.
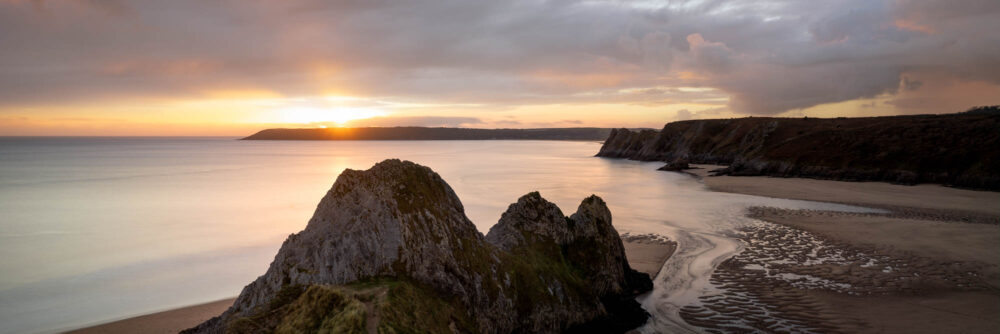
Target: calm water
[[96, 229]]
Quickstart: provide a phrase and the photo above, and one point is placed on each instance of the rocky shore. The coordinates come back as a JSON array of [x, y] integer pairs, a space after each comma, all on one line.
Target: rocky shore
[[952, 149], [391, 250]]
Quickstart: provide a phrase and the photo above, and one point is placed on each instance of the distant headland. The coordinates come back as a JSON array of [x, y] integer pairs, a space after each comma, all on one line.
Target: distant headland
[[952, 149], [426, 133]]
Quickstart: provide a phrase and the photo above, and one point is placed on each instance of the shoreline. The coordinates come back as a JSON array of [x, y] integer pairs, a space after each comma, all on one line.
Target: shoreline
[[169, 321], [927, 201], [924, 212], [928, 265], [643, 252]]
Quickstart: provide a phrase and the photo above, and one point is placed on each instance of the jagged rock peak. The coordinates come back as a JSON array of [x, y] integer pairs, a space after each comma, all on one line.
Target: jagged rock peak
[[531, 214], [586, 237], [396, 218], [399, 227]]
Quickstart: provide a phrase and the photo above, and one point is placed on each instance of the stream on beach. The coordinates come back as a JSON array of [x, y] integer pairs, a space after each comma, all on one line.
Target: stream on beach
[[99, 229]]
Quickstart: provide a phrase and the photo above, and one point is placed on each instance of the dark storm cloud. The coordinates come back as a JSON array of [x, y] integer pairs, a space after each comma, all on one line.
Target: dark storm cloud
[[768, 56]]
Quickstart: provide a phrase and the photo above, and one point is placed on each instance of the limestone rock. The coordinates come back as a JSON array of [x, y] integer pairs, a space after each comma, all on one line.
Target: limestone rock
[[677, 165], [398, 229]]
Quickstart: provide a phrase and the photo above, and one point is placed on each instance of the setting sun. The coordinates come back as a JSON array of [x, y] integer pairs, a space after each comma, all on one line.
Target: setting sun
[[306, 166], [335, 115]]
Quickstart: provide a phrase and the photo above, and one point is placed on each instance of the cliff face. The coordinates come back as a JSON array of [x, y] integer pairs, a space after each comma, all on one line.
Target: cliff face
[[624, 143], [955, 149], [390, 249]]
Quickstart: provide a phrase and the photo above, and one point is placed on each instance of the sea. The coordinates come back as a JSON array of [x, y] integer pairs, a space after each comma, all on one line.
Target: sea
[[97, 229]]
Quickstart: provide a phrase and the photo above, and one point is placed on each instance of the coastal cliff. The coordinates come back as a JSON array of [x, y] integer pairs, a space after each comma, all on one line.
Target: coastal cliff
[[390, 250], [953, 149]]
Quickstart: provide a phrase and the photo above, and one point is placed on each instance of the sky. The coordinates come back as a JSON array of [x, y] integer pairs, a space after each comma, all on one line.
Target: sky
[[226, 67]]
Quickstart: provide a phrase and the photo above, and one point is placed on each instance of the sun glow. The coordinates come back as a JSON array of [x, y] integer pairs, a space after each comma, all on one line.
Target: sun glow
[[324, 117]]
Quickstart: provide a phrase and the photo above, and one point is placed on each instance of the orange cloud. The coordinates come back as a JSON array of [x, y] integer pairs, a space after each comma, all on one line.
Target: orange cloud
[[580, 80], [691, 76], [913, 26], [236, 93]]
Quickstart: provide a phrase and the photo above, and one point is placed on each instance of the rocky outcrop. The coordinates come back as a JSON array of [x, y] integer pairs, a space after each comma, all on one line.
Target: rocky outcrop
[[390, 249], [586, 237], [954, 149], [625, 143], [677, 165]]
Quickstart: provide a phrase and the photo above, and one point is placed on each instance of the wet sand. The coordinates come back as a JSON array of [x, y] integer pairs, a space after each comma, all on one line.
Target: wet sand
[[928, 201], [646, 253], [930, 265], [171, 321]]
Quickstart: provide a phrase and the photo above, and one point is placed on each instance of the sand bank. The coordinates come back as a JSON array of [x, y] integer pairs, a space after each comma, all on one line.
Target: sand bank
[[171, 321], [932, 265], [647, 253], [928, 201]]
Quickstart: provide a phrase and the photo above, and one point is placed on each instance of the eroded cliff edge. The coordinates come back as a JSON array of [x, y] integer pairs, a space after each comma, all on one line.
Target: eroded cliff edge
[[391, 250], [953, 149]]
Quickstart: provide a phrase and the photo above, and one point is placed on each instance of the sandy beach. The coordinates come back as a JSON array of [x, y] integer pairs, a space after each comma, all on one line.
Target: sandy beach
[[171, 321], [930, 265], [647, 253], [929, 201]]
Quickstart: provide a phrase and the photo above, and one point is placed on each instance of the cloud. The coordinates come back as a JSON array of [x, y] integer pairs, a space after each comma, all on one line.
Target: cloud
[[508, 123], [767, 57], [769, 64], [712, 57], [683, 115], [941, 92], [909, 85], [428, 121]]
